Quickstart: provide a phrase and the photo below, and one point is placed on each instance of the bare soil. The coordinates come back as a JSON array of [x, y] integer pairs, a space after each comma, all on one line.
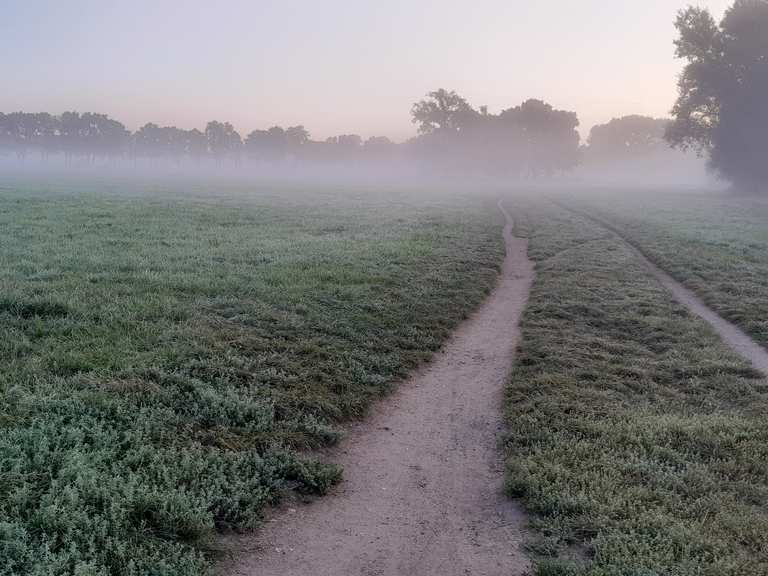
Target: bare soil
[[422, 489]]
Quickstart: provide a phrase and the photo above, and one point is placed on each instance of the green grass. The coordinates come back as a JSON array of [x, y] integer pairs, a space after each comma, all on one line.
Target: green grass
[[168, 355], [637, 441], [715, 244]]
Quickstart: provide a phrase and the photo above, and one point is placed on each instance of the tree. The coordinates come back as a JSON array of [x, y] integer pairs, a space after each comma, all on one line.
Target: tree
[[296, 137], [195, 144], [343, 148], [269, 145], [23, 132], [69, 135], [46, 133], [545, 138], [104, 136], [525, 141], [5, 136], [152, 141], [723, 90], [378, 143], [627, 137], [379, 149], [441, 111], [90, 135], [223, 140], [346, 141]]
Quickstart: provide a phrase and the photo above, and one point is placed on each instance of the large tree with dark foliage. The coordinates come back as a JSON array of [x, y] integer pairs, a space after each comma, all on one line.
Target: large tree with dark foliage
[[547, 137], [723, 91], [441, 111], [526, 141]]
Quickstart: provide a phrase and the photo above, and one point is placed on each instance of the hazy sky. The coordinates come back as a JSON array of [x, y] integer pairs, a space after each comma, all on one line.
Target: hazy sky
[[336, 66]]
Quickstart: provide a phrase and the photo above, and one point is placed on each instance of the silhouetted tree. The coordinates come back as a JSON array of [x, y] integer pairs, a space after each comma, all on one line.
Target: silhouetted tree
[[21, 132], [723, 90], [6, 141], [155, 142], [346, 141], [627, 137], [44, 133], [441, 111], [344, 148], [24, 132], [378, 143], [529, 140], [148, 141], [544, 138], [223, 140], [69, 134], [295, 138], [195, 144], [91, 135], [378, 148], [105, 136], [267, 145]]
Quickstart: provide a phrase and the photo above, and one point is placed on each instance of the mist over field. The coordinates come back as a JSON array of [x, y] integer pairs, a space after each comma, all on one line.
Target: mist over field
[[495, 102], [532, 144]]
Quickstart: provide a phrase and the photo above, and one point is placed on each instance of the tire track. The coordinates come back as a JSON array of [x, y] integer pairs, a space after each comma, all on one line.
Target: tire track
[[738, 340]]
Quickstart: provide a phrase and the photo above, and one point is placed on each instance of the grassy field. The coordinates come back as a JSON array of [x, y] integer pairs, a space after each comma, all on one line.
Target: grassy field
[[715, 244], [168, 354], [637, 441]]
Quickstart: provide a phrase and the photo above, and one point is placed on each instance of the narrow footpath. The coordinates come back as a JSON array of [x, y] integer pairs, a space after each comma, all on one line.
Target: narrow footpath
[[423, 475]]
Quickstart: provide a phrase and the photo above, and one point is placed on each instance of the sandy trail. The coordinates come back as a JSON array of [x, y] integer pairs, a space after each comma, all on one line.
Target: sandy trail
[[422, 491], [738, 340]]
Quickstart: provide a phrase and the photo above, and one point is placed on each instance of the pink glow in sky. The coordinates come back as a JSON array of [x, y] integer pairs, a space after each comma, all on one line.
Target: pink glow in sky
[[336, 66]]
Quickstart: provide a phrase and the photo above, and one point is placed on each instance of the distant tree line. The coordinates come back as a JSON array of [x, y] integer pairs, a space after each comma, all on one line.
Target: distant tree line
[[720, 112], [526, 141], [90, 136], [85, 135]]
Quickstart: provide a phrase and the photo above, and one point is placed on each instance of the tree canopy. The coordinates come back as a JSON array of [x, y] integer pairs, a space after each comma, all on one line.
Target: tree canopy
[[723, 90], [720, 112], [525, 141], [529, 140], [442, 110], [627, 137]]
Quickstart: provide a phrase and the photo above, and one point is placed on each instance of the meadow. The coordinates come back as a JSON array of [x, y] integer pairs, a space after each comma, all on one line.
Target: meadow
[[171, 355], [637, 441], [175, 357]]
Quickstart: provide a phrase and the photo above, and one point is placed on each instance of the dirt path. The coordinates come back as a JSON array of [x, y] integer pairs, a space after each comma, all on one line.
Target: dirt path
[[422, 490], [738, 340]]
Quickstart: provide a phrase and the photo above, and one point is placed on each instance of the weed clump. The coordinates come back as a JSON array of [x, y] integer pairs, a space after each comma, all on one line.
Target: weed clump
[[33, 308]]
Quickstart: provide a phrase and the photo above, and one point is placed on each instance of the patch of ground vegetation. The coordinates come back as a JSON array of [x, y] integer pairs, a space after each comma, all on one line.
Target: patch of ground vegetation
[[168, 356], [637, 441], [715, 244]]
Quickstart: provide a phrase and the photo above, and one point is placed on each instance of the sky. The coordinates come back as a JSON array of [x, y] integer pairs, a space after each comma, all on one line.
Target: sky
[[335, 66]]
